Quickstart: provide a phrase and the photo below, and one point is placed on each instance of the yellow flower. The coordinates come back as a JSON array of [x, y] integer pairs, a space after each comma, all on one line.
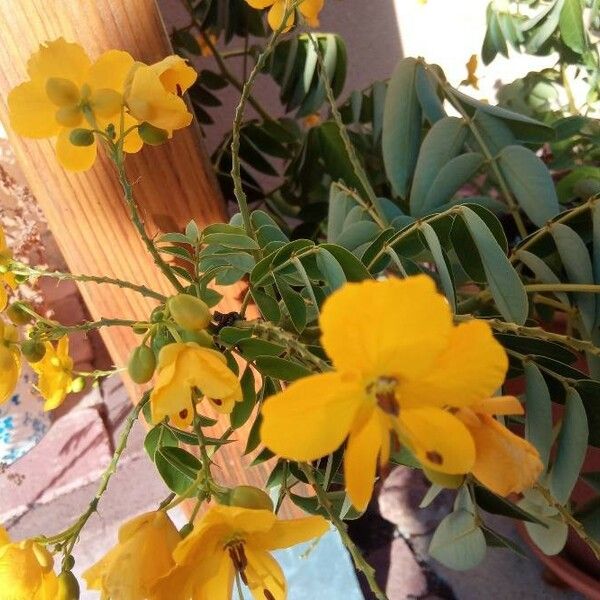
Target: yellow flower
[[67, 91], [505, 463], [153, 93], [229, 540], [25, 570], [10, 360], [6, 278], [310, 10], [472, 78], [142, 556], [183, 367], [55, 372], [399, 361]]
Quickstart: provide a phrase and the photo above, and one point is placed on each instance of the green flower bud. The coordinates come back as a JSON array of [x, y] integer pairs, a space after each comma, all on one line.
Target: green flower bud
[[186, 530], [161, 338], [68, 586], [81, 137], [152, 135], [189, 312], [247, 496], [202, 337], [140, 328], [33, 350], [68, 563], [142, 364], [77, 384], [17, 314], [445, 480], [158, 315]]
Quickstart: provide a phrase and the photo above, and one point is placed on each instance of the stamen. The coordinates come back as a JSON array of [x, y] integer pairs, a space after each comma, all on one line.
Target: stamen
[[384, 390], [268, 595], [179, 90], [435, 457]]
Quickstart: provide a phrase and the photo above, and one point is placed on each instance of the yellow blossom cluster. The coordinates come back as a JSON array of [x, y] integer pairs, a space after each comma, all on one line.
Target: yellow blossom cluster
[[113, 95], [309, 9]]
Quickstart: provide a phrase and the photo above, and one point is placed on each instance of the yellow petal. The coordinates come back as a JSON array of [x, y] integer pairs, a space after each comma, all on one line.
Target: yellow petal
[[505, 463], [3, 297], [59, 58], [439, 440], [260, 3], [264, 574], [74, 158], [30, 111], [471, 367], [284, 534], [360, 458], [311, 418], [9, 376], [217, 583], [149, 101], [106, 103], [110, 71], [393, 326], [4, 537], [175, 74], [276, 14], [310, 9], [133, 142], [499, 405]]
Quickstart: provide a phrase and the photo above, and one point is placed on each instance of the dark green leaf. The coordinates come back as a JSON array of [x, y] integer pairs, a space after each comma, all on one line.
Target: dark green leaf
[[280, 368], [178, 468]]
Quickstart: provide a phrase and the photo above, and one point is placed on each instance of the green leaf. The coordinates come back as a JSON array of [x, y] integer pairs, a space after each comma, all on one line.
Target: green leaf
[[548, 23], [496, 133], [566, 187], [353, 269], [442, 143], [497, 505], [578, 265], [538, 420], [450, 178], [401, 126], [441, 262], [531, 183], [505, 285], [157, 437], [572, 29], [253, 347], [254, 435], [426, 88], [542, 272], [358, 234], [231, 240], [294, 303], [571, 448], [497, 540], [242, 410], [458, 543], [178, 468], [267, 305], [281, 368], [552, 538], [332, 271]]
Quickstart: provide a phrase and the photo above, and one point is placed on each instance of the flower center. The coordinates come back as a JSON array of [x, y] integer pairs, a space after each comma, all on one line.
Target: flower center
[[383, 391], [238, 558]]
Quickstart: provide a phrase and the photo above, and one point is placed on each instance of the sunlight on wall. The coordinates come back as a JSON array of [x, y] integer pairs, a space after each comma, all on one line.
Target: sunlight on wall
[[448, 32]]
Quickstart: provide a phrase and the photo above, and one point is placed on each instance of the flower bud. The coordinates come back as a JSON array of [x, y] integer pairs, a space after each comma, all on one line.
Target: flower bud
[[202, 337], [247, 496], [445, 480], [186, 530], [81, 137], [33, 350], [17, 314], [152, 135], [68, 563], [68, 586], [189, 312], [142, 364], [77, 385]]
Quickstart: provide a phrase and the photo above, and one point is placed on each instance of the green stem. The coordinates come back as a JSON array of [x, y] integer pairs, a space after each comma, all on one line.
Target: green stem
[[359, 561], [370, 208], [563, 287], [570, 520], [59, 330], [26, 270], [138, 223], [337, 117]]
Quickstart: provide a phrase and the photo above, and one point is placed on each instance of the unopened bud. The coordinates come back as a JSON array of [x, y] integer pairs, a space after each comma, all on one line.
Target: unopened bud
[[33, 350], [68, 586], [151, 135], [186, 530], [81, 137], [248, 496], [444, 480], [17, 314], [189, 312], [77, 384], [141, 364], [202, 337]]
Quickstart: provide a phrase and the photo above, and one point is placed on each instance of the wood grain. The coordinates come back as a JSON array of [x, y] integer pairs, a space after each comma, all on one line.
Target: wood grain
[[174, 182]]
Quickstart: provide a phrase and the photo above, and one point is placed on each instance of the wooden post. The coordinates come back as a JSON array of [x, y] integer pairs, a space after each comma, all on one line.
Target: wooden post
[[174, 182]]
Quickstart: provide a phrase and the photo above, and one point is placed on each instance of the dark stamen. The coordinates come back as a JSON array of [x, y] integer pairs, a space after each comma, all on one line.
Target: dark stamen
[[435, 457], [179, 90], [268, 595]]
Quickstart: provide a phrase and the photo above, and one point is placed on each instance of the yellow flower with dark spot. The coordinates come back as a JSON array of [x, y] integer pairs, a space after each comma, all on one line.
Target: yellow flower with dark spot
[[309, 9], [184, 367], [6, 278], [230, 540], [25, 570], [67, 91], [55, 371], [505, 463], [142, 556], [398, 363], [10, 360]]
